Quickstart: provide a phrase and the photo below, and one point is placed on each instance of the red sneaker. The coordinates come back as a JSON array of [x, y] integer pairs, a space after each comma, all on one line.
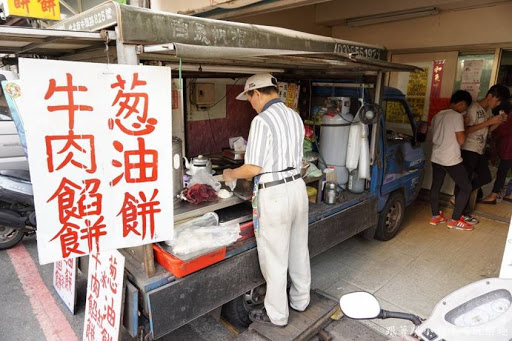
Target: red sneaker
[[459, 225], [438, 219]]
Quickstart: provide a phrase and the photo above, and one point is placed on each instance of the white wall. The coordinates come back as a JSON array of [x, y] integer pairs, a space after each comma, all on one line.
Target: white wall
[[478, 26]]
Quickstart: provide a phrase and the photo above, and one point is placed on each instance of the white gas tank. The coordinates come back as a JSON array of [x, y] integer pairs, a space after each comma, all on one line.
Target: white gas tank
[[334, 137]]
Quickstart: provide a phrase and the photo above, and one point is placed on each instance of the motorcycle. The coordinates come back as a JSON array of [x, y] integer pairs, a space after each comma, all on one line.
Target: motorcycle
[[479, 311], [17, 212]]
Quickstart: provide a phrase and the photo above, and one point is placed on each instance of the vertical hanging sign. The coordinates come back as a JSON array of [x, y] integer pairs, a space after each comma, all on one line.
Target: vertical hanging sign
[[104, 296], [437, 78], [100, 155], [64, 281]]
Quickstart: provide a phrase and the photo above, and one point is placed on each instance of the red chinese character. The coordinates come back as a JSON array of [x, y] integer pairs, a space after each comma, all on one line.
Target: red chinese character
[[90, 200], [89, 330], [93, 233], [139, 165], [94, 311], [104, 279], [71, 107], [68, 239], [113, 274], [58, 266], [111, 314], [96, 261], [22, 4], [132, 103], [69, 263], [95, 285], [68, 280], [105, 336], [146, 209], [113, 267], [59, 281], [129, 214], [47, 5], [82, 145], [65, 195]]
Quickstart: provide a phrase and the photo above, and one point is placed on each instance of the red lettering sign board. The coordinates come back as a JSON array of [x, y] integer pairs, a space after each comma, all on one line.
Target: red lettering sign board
[[104, 296], [99, 141]]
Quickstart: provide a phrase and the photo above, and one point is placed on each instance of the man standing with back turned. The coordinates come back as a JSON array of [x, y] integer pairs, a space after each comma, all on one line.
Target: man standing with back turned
[[280, 204]]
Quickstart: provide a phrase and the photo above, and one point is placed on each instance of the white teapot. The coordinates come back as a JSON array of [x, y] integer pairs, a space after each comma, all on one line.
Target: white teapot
[[199, 163]]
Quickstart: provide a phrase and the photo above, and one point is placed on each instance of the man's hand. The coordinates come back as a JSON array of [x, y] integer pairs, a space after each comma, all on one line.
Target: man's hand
[[228, 175], [497, 119]]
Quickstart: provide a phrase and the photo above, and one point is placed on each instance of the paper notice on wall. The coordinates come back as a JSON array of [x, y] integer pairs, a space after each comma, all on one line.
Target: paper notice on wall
[[506, 263], [417, 85], [472, 88], [289, 94], [472, 71]]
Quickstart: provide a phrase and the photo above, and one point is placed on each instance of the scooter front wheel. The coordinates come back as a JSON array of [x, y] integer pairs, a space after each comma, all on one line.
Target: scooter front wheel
[[9, 237]]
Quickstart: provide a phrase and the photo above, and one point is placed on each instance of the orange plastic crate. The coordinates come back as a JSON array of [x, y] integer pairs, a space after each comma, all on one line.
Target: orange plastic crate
[[181, 268]]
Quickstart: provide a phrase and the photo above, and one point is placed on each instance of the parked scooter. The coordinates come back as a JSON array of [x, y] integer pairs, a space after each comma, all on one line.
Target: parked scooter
[[479, 311], [17, 212]]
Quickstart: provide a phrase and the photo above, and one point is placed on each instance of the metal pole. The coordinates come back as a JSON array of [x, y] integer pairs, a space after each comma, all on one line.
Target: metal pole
[[376, 125], [126, 54]]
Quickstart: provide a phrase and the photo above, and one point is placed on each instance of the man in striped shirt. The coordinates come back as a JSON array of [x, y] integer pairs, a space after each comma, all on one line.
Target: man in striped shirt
[[274, 157]]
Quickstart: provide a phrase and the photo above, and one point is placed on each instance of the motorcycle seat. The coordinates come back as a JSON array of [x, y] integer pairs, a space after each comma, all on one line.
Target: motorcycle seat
[[18, 174]]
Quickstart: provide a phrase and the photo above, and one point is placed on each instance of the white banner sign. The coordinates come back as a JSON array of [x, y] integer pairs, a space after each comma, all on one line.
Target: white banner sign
[[64, 281], [100, 153], [104, 296], [506, 263]]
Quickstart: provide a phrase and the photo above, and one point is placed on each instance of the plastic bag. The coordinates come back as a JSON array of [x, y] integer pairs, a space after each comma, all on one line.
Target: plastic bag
[[364, 156], [203, 178], [201, 235], [313, 171], [354, 146]]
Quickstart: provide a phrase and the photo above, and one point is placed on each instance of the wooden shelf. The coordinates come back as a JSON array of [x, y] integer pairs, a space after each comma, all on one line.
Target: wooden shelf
[[318, 180]]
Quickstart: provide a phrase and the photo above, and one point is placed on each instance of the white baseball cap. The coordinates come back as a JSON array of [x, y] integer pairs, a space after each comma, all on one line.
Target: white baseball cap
[[261, 80]]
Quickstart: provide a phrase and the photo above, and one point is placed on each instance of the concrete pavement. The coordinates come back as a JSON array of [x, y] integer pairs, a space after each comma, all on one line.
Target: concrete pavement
[[409, 273]]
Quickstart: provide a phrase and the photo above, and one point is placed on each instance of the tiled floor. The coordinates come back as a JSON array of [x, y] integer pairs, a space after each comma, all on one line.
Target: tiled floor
[[417, 268]]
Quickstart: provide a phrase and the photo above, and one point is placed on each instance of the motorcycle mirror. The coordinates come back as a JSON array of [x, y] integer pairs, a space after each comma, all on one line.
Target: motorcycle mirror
[[360, 305]]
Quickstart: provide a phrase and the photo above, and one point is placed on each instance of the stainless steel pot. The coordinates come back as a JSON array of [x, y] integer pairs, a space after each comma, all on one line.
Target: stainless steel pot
[[177, 167]]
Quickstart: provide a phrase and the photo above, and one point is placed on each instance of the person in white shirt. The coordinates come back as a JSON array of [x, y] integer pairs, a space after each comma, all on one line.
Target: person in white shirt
[[280, 203], [448, 135], [479, 121]]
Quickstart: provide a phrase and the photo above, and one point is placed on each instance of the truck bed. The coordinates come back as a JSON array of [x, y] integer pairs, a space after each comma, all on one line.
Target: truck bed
[[172, 303]]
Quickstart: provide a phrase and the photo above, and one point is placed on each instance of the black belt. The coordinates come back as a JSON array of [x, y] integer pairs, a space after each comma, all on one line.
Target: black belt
[[278, 182]]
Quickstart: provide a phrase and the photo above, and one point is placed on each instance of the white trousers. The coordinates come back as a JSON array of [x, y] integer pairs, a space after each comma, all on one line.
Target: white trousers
[[283, 245]]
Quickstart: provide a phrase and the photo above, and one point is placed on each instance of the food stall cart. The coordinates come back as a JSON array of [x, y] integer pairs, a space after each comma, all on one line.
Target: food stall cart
[[203, 48]]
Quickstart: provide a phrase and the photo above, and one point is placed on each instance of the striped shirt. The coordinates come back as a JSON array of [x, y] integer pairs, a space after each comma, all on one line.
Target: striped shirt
[[275, 141]]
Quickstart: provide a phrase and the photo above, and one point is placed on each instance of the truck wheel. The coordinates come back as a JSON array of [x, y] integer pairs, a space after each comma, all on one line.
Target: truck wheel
[[9, 237], [236, 311], [391, 216]]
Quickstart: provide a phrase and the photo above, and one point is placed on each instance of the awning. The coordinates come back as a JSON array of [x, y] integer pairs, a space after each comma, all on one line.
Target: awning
[[53, 43], [270, 58]]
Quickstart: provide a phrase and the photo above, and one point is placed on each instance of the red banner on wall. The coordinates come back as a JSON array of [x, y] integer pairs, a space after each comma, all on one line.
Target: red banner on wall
[[436, 105], [437, 77]]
